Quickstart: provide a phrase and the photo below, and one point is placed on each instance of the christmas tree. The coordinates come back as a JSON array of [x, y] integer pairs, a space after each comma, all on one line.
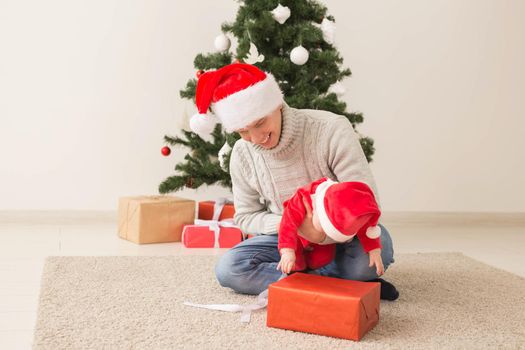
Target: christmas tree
[[294, 40]]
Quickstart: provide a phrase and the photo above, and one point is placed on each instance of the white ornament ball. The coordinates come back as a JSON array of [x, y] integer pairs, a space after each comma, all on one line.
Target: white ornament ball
[[337, 89], [281, 13], [222, 42], [299, 55], [328, 29]]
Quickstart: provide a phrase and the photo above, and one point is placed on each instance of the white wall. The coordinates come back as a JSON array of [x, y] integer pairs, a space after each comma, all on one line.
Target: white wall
[[89, 88]]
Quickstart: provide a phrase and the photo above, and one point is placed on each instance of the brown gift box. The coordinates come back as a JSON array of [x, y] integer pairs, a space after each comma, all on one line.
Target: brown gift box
[[206, 211], [154, 219], [323, 305]]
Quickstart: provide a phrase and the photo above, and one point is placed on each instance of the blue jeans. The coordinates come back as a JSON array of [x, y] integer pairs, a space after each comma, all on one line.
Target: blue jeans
[[250, 266]]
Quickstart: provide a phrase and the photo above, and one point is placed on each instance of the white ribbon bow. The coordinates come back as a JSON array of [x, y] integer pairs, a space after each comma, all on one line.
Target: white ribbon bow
[[214, 224]]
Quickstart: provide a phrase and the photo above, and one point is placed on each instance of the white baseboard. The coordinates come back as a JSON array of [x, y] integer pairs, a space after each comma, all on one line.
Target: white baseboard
[[58, 217], [454, 218], [87, 217]]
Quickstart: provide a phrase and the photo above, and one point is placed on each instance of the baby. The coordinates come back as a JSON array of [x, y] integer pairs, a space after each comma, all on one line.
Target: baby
[[340, 210]]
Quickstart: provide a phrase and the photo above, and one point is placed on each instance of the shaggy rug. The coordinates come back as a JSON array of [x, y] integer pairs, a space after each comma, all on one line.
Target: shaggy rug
[[126, 302]]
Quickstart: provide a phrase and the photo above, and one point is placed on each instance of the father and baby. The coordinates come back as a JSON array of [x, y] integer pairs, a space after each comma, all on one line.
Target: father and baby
[[301, 185]]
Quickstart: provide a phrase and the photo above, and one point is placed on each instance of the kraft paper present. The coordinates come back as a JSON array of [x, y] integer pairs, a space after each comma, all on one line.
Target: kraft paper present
[[323, 305], [154, 219], [196, 236], [206, 209]]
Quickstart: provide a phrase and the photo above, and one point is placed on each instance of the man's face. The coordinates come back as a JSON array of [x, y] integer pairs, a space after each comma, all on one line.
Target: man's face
[[264, 132]]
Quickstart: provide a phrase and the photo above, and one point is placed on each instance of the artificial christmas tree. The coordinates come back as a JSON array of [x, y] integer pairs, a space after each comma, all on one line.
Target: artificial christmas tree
[[292, 39]]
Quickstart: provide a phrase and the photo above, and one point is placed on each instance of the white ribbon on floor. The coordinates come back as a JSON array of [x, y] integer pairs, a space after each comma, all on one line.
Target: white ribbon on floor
[[245, 310]]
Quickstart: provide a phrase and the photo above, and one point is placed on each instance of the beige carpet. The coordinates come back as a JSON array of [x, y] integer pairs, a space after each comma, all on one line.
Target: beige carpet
[[447, 301]]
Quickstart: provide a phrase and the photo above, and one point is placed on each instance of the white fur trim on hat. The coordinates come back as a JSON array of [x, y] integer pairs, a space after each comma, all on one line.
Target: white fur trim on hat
[[246, 106], [324, 220], [373, 232], [203, 124]]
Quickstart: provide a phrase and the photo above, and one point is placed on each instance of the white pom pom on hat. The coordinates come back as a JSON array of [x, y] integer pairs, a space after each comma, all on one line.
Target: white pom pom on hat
[[203, 124]]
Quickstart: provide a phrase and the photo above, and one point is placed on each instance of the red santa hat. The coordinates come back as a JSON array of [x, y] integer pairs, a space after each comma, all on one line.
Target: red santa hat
[[238, 95], [346, 208]]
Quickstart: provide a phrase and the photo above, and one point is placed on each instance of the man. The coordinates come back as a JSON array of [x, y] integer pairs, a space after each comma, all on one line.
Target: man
[[281, 149]]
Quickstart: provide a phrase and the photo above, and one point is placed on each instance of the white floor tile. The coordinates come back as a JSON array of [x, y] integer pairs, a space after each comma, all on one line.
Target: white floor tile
[[17, 320], [28, 243], [16, 340], [104, 241], [9, 290], [18, 303]]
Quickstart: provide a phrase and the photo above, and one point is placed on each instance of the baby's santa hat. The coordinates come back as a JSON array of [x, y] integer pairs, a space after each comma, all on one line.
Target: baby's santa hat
[[346, 208], [238, 95]]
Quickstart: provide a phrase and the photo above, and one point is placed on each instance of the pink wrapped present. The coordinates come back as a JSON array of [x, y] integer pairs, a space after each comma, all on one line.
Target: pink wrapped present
[[211, 233]]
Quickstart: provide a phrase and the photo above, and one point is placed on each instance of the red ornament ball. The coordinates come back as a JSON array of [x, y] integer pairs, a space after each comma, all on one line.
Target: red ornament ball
[[166, 150], [199, 73], [237, 61]]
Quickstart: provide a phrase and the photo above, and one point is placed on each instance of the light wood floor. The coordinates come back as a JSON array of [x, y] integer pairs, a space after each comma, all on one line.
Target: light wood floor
[[26, 238]]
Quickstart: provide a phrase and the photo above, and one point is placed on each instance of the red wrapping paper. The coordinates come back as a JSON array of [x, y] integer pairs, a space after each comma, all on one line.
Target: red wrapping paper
[[206, 211], [195, 236], [323, 305]]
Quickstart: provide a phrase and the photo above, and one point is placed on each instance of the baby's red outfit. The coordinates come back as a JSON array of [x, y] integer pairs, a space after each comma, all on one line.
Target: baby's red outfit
[[359, 210]]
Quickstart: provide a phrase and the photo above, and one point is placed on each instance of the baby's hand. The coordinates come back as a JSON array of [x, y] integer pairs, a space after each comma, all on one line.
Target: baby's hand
[[375, 259], [287, 260]]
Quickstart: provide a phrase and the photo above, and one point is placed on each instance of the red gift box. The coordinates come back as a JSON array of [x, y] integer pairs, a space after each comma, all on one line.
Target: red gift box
[[323, 305], [206, 211], [197, 236]]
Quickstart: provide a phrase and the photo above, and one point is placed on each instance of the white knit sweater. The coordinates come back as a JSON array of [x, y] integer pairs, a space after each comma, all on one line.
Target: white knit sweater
[[313, 144]]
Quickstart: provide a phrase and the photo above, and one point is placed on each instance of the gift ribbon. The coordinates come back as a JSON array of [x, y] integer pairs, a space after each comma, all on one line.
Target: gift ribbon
[[214, 224], [218, 206], [245, 310]]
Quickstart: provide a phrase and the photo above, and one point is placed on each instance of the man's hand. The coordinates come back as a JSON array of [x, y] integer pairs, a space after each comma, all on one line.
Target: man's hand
[[287, 260], [375, 259], [307, 229]]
